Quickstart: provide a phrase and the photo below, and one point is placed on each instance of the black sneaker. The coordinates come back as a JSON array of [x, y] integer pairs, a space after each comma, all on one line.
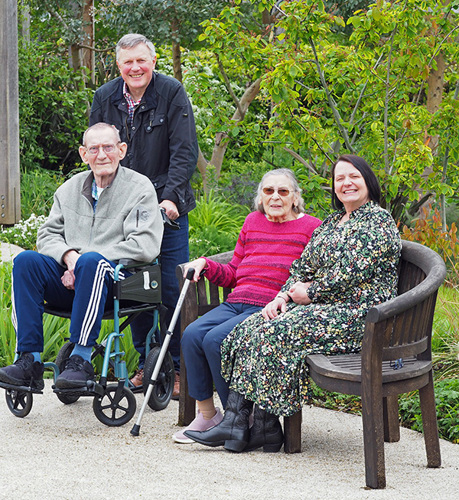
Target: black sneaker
[[24, 372], [77, 372]]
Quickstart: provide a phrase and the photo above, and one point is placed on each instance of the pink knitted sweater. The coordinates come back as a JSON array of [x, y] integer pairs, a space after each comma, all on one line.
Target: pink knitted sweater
[[262, 258]]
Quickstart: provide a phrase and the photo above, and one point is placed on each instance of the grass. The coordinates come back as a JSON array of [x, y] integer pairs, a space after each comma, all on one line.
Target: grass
[[445, 339]]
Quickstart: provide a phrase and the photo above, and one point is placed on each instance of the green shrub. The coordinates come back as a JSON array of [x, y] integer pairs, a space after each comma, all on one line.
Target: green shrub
[[445, 337], [37, 190], [214, 225], [24, 233], [447, 401], [53, 105]]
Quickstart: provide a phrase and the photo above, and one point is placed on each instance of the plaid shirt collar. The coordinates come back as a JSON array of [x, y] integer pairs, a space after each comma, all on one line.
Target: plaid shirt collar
[[130, 102]]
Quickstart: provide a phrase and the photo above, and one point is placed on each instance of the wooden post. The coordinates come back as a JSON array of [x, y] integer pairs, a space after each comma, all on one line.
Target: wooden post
[[10, 200]]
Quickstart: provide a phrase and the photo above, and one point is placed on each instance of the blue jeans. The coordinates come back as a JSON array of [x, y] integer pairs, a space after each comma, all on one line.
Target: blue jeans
[[37, 278], [201, 342], [174, 251]]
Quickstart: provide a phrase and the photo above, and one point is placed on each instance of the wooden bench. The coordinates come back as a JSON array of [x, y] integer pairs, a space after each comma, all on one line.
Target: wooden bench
[[399, 328]]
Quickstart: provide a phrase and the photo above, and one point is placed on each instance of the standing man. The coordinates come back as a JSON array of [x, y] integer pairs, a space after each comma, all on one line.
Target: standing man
[[155, 119]]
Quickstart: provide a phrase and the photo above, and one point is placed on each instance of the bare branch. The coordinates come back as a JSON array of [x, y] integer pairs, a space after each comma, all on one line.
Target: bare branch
[[80, 46], [300, 159]]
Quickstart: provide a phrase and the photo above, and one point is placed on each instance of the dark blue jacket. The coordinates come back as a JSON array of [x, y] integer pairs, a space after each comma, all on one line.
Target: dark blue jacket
[[162, 142]]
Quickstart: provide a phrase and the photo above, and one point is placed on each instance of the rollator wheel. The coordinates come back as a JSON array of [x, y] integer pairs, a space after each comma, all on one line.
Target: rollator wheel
[[19, 402], [116, 407], [162, 392], [62, 355]]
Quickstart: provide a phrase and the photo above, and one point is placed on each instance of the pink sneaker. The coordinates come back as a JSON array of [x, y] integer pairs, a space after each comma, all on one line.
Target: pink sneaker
[[198, 424]]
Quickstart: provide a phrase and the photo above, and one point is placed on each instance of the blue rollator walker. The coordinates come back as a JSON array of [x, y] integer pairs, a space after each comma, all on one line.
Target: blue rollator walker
[[114, 404]]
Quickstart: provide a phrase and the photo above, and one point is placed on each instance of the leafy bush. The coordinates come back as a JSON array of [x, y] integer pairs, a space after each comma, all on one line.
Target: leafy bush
[[214, 225], [53, 106], [447, 401], [24, 233], [446, 398], [445, 337], [37, 190], [428, 230]]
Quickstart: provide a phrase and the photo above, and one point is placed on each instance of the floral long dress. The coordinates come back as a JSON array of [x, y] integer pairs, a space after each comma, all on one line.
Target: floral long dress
[[352, 267]]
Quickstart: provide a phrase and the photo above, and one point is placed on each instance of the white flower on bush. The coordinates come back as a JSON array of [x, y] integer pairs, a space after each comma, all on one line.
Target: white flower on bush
[[24, 233]]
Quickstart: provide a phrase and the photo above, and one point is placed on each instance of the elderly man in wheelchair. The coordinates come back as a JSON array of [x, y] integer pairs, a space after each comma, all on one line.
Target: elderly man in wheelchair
[[97, 219]]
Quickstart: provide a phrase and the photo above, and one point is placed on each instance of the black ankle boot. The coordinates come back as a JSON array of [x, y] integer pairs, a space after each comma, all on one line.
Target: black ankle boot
[[233, 431], [266, 431]]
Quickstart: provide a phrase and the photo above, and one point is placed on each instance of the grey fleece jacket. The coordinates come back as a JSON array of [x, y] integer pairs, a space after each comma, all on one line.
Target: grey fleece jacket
[[126, 224]]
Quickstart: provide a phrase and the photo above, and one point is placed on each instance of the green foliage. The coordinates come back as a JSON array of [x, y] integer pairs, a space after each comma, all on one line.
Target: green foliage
[[37, 190], [334, 400], [428, 230], [7, 333], [214, 225], [52, 107], [330, 94], [447, 402], [163, 21], [214, 108], [24, 233], [445, 338], [239, 181]]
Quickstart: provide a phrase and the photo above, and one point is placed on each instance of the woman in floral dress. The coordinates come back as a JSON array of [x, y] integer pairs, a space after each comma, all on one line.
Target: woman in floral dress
[[349, 266]]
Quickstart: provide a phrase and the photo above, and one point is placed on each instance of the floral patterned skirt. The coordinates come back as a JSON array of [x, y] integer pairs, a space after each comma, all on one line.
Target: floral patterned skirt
[[266, 360]]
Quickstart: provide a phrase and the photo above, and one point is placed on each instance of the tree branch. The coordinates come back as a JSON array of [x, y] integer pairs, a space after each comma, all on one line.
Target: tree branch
[[301, 160], [228, 86], [386, 101], [331, 101]]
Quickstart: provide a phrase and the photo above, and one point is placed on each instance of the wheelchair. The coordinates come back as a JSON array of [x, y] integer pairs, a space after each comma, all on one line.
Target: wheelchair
[[114, 404]]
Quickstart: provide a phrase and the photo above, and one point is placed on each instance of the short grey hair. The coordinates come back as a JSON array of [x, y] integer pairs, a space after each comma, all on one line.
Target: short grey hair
[[132, 40], [100, 126], [295, 186]]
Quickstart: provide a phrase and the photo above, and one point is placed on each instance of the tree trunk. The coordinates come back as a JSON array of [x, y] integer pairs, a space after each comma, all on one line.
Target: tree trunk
[[87, 55], [221, 139], [176, 52]]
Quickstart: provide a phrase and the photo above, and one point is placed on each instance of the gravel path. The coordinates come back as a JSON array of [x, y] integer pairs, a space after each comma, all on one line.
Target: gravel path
[[63, 452]]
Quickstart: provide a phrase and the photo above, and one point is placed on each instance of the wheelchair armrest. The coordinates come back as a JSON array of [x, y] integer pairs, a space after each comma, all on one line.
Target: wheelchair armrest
[[134, 264]]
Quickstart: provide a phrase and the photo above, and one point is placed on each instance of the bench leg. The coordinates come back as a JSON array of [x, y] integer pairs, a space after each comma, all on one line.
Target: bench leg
[[429, 423], [391, 422], [292, 433], [373, 439]]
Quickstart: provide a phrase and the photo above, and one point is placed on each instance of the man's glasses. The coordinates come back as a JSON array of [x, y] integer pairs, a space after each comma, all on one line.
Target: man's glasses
[[108, 148], [281, 191]]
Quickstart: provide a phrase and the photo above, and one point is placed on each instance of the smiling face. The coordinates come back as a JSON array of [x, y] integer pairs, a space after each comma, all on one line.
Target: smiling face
[[136, 66], [278, 198], [103, 153], [350, 186]]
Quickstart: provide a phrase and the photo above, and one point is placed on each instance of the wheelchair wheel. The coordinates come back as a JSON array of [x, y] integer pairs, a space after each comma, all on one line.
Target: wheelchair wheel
[[116, 407], [162, 392], [62, 355], [19, 402]]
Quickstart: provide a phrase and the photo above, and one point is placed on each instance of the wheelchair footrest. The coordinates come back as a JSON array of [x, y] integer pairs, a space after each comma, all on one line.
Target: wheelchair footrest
[[20, 388], [91, 388]]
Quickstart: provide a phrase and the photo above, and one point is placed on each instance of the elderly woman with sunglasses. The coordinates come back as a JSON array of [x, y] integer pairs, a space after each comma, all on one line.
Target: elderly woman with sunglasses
[[271, 238], [349, 265]]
